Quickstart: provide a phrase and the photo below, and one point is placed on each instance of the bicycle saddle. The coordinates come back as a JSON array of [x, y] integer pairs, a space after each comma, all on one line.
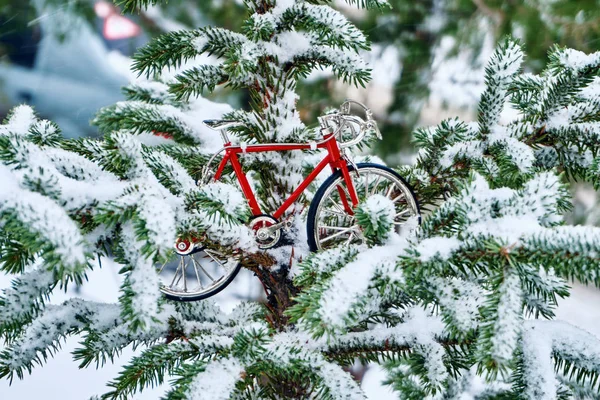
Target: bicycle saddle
[[218, 124]]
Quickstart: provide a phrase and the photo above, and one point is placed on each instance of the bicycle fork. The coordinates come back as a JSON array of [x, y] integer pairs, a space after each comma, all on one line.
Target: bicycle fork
[[340, 162]]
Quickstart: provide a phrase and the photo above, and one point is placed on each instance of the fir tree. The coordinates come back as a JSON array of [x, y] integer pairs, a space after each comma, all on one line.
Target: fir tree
[[469, 293]]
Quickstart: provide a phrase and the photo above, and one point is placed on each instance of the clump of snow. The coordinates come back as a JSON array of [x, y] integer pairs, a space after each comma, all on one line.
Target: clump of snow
[[509, 229], [45, 331], [508, 325], [437, 247], [169, 166], [21, 120], [326, 261], [341, 385], [143, 279], [159, 220], [285, 115], [578, 60], [287, 45], [504, 64], [469, 149], [522, 155], [351, 282], [538, 367], [44, 216], [200, 42], [226, 195], [217, 381], [282, 6], [208, 342], [460, 299], [381, 211], [334, 20], [22, 296]]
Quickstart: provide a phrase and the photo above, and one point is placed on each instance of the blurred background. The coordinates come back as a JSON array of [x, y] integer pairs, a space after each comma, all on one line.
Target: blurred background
[[69, 58]]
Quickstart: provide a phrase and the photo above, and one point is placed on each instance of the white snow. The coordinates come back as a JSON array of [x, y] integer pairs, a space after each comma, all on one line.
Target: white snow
[[169, 166], [218, 380], [380, 210], [578, 60], [229, 196], [18, 299], [508, 324], [468, 149], [20, 121], [538, 367], [437, 247], [508, 229], [43, 216], [159, 220], [341, 385], [143, 278], [461, 299], [287, 45], [352, 282]]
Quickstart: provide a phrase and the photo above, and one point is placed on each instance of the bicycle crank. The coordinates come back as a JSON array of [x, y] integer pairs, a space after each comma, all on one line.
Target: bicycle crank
[[267, 230]]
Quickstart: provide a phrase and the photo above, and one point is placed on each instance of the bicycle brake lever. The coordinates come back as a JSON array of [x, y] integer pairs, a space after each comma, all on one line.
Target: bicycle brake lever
[[325, 128], [371, 123], [376, 129], [345, 107]]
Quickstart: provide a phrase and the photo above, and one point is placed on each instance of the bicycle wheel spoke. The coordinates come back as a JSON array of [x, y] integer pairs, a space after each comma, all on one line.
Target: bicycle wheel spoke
[[327, 210], [389, 191], [179, 266], [403, 213], [398, 197], [376, 184], [162, 267], [178, 279], [185, 276], [337, 234], [208, 252], [198, 276], [196, 263], [337, 206], [335, 228], [349, 241]]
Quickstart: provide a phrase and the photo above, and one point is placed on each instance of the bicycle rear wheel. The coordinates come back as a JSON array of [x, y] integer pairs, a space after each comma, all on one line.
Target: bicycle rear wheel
[[330, 225], [196, 272]]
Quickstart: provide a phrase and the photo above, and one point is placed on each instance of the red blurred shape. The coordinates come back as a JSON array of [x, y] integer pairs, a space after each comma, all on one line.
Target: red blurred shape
[[103, 9], [118, 27]]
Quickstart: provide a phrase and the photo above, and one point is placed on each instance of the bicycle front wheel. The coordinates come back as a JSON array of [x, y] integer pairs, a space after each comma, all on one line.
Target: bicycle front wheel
[[330, 225]]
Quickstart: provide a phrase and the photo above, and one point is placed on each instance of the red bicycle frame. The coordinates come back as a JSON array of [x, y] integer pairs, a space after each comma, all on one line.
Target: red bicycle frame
[[333, 159]]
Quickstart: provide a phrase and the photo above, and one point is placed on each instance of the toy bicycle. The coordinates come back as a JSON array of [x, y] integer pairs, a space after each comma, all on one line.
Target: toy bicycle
[[201, 272]]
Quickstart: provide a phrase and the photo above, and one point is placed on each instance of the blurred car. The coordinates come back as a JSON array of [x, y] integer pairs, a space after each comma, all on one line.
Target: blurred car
[[68, 76]]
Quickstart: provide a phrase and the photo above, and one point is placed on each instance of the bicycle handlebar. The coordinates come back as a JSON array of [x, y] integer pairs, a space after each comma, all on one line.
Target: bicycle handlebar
[[342, 117]]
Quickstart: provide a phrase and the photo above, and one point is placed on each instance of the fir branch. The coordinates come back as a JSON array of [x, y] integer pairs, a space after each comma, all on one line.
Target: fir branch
[[192, 82], [135, 5], [153, 58], [150, 368], [504, 64], [139, 117]]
